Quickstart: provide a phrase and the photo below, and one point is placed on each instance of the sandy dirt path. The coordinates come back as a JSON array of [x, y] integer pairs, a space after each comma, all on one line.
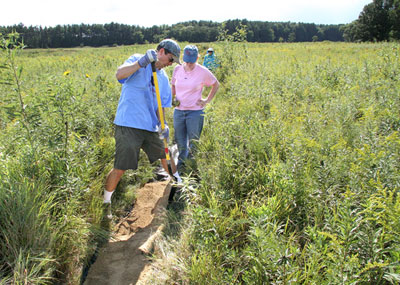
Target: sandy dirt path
[[122, 261]]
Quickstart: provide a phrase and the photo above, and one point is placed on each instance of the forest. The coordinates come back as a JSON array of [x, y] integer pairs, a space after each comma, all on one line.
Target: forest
[[114, 34], [378, 21]]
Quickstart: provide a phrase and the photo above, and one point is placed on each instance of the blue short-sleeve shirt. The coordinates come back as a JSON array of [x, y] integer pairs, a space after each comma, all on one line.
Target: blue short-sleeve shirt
[[137, 106]]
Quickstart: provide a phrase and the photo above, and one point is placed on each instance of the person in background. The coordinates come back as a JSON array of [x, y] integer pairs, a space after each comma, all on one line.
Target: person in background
[[210, 60], [188, 81], [136, 122]]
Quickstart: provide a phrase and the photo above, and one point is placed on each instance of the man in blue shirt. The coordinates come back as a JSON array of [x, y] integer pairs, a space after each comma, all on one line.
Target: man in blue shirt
[[136, 121]]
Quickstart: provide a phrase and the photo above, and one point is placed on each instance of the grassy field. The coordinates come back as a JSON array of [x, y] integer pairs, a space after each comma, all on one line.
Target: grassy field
[[298, 166], [56, 146]]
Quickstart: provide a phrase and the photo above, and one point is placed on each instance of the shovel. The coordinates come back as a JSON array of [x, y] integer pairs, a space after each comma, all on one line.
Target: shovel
[[171, 164]]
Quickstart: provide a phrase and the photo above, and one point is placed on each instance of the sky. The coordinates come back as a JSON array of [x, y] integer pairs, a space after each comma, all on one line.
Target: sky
[[49, 13]]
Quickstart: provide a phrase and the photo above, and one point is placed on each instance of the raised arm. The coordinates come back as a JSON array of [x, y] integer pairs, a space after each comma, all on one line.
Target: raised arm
[[127, 69]]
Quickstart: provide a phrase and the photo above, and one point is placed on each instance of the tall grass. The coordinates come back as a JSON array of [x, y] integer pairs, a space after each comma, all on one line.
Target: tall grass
[[56, 146], [299, 164], [25, 241]]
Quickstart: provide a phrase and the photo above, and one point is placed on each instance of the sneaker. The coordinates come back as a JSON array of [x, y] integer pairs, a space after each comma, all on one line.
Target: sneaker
[[107, 210], [177, 177]]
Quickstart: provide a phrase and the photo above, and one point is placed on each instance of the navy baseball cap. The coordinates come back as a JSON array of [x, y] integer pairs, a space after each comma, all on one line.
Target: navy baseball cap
[[190, 54], [172, 47]]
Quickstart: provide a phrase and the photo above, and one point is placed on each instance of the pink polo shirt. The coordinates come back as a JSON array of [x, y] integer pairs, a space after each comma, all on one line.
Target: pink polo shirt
[[189, 85]]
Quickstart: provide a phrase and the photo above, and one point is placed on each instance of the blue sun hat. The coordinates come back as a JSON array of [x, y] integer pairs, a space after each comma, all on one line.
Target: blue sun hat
[[190, 54]]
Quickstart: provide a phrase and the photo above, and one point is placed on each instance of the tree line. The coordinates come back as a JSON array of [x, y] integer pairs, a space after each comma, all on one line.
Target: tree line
[[111, 34], [378, 21]]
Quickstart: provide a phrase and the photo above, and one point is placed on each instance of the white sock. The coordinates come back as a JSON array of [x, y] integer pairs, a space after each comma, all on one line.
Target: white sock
[[107, 196]]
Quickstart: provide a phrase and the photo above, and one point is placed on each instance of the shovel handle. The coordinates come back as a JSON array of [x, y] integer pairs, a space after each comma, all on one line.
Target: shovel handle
[[160, 110]]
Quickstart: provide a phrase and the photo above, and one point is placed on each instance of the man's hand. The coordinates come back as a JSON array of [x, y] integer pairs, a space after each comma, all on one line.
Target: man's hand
[[163, 134], [148, 58]]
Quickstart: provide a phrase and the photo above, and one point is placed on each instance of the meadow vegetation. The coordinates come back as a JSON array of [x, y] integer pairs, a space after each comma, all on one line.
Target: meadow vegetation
[[297, 171], [56, 146]]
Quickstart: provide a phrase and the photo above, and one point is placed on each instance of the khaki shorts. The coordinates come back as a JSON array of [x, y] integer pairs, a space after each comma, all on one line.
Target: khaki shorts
[[129, 141]]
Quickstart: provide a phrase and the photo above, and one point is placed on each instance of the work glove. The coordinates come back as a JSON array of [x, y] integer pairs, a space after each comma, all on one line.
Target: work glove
[[149, 57], [163, 134]]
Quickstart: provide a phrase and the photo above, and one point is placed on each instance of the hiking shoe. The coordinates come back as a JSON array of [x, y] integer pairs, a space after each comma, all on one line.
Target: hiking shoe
[[161, 175], [107, 210], [177, 177]]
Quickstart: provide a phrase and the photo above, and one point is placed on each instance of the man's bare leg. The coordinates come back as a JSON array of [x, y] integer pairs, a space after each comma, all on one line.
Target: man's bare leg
[[113, 177]]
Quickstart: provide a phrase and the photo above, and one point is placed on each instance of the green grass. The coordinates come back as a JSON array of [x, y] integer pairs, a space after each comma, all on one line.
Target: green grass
[[56, 147], [297, 166]]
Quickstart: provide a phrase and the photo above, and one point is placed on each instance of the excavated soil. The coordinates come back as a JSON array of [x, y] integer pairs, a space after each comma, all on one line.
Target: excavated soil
[[124, 258]]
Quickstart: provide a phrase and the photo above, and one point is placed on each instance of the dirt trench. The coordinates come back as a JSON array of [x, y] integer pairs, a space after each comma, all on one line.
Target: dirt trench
[[123, 259]]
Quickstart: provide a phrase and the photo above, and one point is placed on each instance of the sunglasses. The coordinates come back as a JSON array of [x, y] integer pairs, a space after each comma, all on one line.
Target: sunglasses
[[171, 59]]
